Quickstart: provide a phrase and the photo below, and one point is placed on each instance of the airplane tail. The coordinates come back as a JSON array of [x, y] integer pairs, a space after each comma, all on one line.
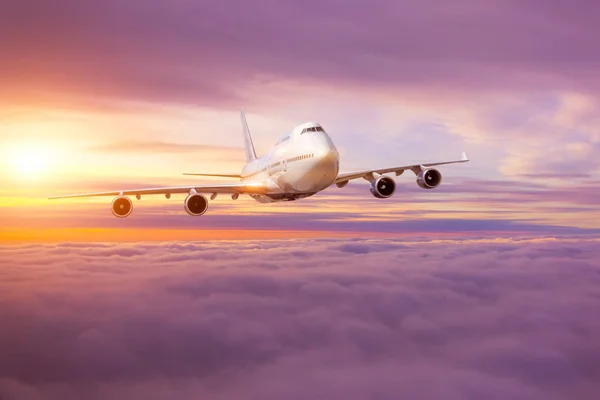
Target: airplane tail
[[249, 146]]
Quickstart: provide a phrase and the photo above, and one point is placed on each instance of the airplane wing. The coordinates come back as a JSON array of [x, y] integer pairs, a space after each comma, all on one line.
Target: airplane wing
[[233, 188], [343, 179], [216, 175]]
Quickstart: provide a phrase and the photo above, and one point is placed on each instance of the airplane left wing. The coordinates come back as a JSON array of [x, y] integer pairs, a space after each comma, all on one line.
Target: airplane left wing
[[343, 179], [233, 188], [215, 175]]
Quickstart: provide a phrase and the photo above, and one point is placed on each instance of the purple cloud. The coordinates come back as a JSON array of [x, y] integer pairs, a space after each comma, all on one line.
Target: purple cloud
[[300, 319], [202, 52]]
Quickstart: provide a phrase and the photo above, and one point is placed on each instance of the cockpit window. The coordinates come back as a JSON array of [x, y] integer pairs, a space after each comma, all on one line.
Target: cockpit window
[[312, 129]]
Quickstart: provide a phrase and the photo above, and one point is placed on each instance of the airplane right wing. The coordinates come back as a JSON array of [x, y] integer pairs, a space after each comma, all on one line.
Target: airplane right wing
[[343, 179]]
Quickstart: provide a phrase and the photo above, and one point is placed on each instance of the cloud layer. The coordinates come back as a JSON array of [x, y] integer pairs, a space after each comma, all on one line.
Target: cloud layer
[[301, 319]]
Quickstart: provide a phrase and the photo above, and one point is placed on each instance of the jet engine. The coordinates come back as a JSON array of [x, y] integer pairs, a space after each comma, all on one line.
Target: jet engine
[[383, 187], [122, 206], [429, 178], [196, 204]]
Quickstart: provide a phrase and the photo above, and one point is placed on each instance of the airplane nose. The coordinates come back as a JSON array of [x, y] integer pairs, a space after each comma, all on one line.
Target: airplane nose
[[328, 166], [329, 157], [321, 172]]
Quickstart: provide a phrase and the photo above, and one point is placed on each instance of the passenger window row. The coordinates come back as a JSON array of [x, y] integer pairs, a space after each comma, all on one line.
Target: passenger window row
[[302, 157]]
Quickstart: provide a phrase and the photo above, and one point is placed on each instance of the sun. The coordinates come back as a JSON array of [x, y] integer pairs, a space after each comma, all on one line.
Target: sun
[[29, 162]]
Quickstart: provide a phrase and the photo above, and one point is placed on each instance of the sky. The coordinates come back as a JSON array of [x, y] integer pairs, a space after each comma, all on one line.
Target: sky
[[486, 287], [119, 94]]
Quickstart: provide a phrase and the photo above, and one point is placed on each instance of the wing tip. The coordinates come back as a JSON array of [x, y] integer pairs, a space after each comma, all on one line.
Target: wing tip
[[464, 157]]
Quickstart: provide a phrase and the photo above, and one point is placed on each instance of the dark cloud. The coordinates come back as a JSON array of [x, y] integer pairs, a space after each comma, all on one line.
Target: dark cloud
[[351, 319], [204, 53]]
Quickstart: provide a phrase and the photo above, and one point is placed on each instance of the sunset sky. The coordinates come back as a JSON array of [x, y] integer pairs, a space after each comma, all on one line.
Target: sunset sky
[[487, 287], [116, 95]]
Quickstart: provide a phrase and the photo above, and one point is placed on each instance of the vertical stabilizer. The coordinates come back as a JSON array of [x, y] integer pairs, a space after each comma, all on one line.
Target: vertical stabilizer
[[250, 152]]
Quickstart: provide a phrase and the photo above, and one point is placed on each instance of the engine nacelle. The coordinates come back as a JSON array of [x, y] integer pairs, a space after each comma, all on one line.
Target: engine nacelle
[[429, 178], [196, 204], [383, 187], [122, 206]]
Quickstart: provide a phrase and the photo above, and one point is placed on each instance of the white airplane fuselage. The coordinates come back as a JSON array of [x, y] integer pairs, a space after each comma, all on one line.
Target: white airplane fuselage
[[301, 164]]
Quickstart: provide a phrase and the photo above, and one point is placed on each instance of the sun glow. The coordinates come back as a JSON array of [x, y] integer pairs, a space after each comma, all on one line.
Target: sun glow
[[29, 161]]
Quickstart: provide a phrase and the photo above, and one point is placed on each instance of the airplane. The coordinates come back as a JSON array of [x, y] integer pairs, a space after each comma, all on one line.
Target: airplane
[[301, 164]]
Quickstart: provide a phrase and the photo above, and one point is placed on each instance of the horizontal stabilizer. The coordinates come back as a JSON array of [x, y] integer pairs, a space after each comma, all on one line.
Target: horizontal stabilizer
[[217, 175]]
